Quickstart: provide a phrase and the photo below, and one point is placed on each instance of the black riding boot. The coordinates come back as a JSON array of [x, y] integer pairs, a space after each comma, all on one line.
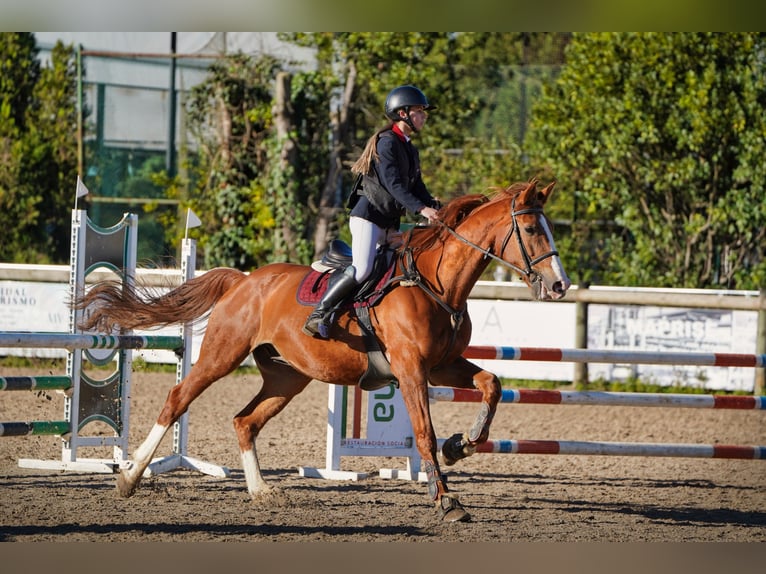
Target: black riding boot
[[340, 286]]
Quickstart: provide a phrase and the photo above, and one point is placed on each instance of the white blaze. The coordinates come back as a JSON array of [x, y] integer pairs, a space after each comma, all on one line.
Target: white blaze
[[558, 268]]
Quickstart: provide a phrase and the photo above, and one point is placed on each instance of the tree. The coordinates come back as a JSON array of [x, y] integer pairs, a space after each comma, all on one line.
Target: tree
[[230, 116], [460, 73], [38, 150], [269, 175], [662, 136], [19, 71], [52, 125]]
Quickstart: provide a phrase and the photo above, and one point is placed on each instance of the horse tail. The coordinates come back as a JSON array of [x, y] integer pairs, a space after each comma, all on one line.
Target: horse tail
[[110, 305]]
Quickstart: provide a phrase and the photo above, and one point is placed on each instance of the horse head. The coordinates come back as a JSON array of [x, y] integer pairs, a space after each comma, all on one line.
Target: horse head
[[528, 246]]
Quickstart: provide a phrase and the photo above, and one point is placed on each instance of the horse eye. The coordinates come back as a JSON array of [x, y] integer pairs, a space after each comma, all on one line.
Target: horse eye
[[529, 229]]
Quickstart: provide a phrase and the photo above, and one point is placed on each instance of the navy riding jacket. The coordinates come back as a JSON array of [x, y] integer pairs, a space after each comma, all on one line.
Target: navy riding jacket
[[393, 185]]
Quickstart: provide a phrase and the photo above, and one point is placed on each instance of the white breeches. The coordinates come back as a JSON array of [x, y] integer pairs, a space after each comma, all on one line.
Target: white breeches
[[366, 237]]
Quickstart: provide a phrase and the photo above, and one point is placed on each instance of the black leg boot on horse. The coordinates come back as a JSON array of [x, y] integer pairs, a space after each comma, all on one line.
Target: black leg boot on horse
[[340, 286]]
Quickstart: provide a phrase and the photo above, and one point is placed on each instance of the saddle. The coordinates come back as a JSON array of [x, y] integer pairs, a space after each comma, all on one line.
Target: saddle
[[312, 287], [337, 258]]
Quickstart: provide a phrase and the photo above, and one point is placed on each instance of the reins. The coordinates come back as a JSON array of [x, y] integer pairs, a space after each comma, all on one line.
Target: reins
[[411, 275], [515, 230]]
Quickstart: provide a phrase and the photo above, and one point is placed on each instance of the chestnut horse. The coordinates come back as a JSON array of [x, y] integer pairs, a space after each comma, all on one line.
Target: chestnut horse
[[423, 328]]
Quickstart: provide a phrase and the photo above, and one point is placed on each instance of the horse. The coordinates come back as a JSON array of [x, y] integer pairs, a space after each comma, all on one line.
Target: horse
[[422, 325]]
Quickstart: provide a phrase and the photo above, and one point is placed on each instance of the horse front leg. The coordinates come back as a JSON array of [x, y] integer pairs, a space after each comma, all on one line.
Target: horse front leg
[[464, 374], [415, 395]]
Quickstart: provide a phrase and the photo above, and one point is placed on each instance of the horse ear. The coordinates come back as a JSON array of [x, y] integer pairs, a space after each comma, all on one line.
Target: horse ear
[[547, 191], [528, 193]]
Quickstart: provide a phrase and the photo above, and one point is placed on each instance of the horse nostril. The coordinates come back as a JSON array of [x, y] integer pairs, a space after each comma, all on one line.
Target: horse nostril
[[558, 288]]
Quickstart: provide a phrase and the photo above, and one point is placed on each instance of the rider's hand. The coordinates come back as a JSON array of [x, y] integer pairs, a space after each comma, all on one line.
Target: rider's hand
[[430, 214]]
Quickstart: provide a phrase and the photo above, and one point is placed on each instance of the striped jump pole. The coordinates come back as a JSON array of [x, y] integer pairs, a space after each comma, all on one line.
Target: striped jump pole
[[34, 428], [396, 429], [553, 397], [72, 341], [36, 383], [505, 446], [550, 354]]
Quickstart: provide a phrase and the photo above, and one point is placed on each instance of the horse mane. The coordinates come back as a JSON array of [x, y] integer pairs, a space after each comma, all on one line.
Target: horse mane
[[423, 238]]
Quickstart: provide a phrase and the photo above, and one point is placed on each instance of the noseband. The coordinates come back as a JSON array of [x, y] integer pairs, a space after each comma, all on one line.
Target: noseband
[[515, 230]]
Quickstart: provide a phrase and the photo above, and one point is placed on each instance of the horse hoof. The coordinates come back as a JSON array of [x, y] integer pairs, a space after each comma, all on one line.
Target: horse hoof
[[452, 449], [271, 497], [452, 510], [124, 488]]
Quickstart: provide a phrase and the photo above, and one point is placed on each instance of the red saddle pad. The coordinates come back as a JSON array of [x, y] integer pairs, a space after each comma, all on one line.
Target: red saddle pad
[[314, 285]]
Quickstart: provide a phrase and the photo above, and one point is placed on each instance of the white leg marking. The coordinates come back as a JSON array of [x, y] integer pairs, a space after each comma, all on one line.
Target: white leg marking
[[144, 453], [255, 481]]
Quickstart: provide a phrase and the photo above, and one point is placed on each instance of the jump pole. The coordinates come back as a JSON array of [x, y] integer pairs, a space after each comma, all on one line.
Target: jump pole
[[38, 383], [34, 428], [604, 398], [72, 342], [506, 446], [614, 356], [401, 430]]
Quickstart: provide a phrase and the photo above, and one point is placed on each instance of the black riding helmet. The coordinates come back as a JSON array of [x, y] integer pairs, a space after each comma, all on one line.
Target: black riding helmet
[[404, 97]]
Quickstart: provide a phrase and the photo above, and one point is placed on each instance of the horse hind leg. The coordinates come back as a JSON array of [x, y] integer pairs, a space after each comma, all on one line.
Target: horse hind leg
[[177, 402], [130, 475], [248, 424], [280, 384], [215, 362]]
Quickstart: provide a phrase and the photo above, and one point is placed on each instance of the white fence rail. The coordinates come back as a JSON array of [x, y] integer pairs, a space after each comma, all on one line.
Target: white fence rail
[[615, 318]]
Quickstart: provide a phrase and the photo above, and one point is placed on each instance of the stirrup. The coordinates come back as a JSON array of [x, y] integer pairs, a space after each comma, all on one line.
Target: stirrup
[[317, 324], [311, 326]]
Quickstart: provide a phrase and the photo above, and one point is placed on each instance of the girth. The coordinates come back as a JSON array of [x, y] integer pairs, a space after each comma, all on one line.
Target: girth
[[336, 258]]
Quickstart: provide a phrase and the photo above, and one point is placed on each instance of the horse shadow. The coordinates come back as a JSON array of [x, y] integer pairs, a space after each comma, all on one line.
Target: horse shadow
[[678, 513]]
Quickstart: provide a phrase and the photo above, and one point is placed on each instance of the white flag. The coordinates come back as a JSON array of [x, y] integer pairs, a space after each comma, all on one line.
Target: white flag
[[81, 189], [191, 219]]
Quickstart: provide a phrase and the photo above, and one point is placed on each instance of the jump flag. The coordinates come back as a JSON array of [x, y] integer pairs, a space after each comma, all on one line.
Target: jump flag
[[191, 220], [80, 191]]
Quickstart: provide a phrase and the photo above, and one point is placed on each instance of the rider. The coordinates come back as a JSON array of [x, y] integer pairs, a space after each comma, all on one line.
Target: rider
[[388, 183]]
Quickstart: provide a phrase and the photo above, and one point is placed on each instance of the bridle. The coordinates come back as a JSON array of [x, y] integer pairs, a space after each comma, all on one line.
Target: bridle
[[515, 230], [411, 276]]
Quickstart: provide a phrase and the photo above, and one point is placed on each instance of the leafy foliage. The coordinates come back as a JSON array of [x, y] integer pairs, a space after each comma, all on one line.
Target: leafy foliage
[[656, 141], [230, 117], [468, 144], [258, 207], [660, 134], [37, 150]]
